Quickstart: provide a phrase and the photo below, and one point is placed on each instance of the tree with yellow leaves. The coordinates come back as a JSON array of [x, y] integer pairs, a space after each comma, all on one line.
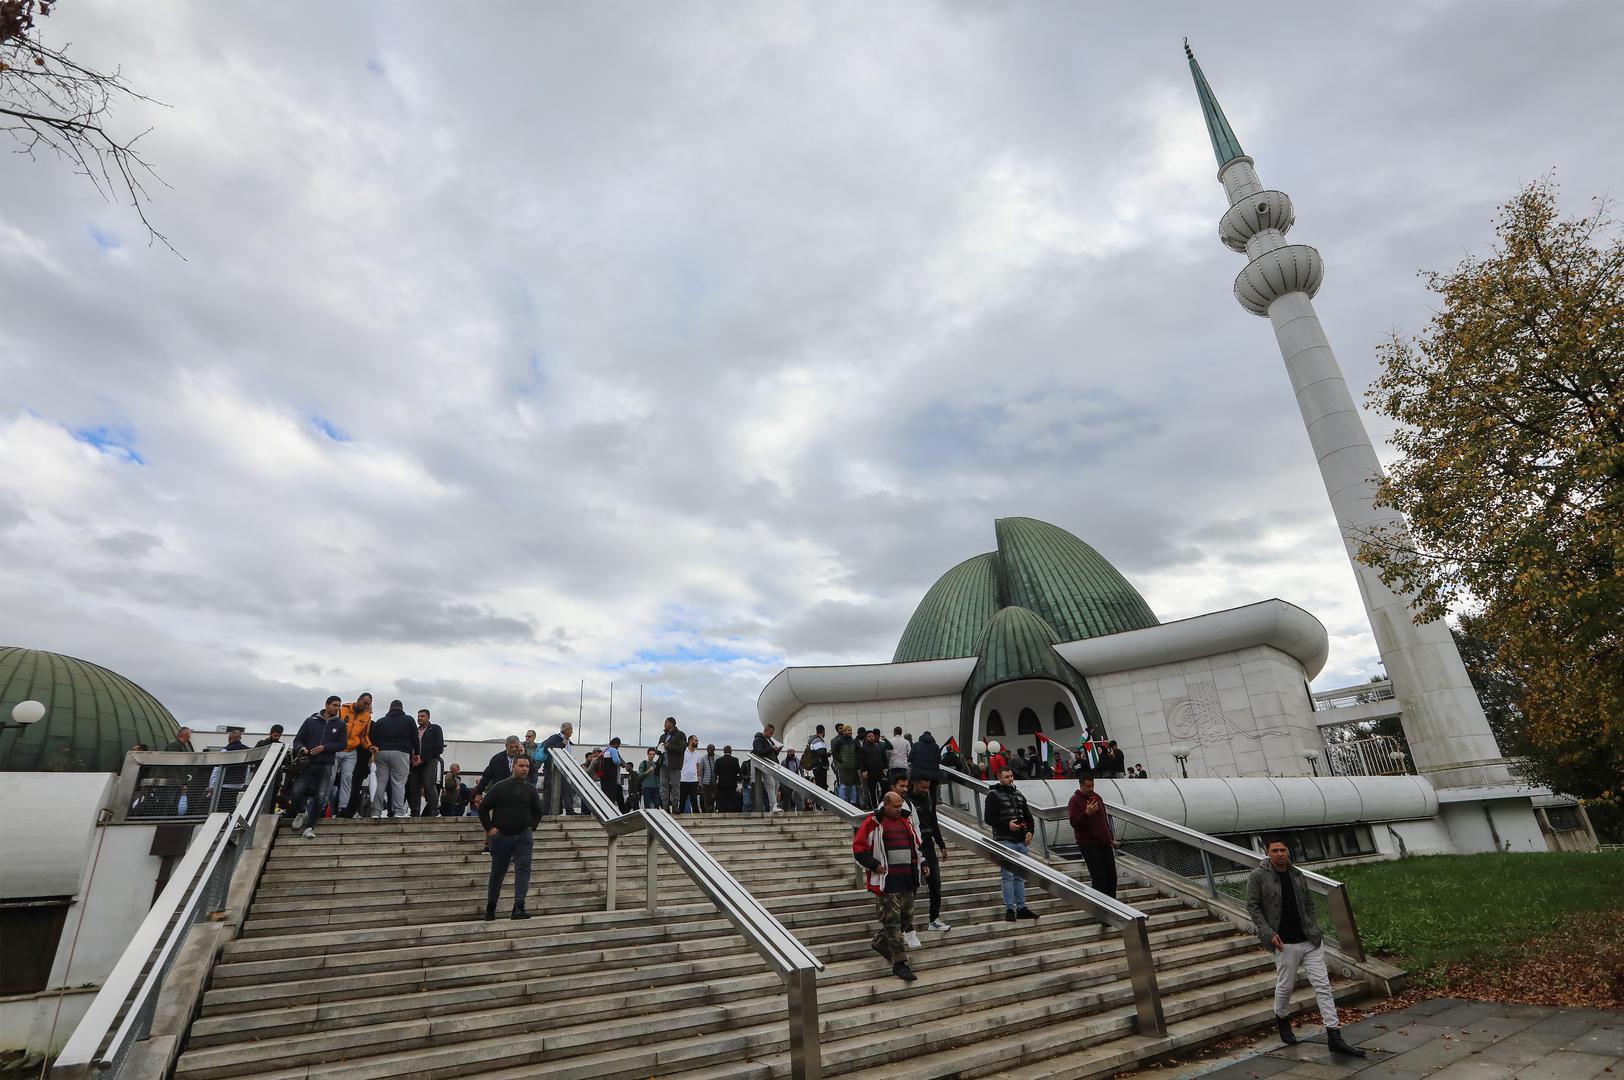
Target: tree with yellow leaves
[[1512, 406]]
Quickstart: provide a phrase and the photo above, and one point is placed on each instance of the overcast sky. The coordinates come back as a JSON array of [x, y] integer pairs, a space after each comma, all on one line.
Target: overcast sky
[[670, 344]]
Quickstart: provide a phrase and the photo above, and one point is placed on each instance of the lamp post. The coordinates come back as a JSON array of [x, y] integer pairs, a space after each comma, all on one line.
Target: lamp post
[[1312, 757], [23, 714], [1182, 755]]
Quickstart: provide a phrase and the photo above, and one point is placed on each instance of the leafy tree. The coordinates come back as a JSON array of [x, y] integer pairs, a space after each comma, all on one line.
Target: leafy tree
[[1512, 478], [49, 102]]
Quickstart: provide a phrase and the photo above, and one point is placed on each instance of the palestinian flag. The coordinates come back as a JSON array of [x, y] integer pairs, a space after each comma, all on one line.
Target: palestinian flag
[[953, 745], [1090, 750], [1045, 751]]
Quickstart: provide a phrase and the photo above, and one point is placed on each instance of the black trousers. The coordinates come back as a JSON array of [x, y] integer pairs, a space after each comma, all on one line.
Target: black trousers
[[1101, 868], [423, 783], [820, 774], [933, 881]]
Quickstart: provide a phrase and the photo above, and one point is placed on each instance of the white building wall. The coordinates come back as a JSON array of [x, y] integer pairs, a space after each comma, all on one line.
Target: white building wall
[[1243, 713], [938, 715]]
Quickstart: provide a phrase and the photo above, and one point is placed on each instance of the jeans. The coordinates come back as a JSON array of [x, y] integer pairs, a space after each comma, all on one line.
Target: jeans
[[310, 789], [423, 783], [934, 881], [747, 799], [1102, 875], [1014, 885], [389, 784], [1311, 959], [651, 798], [766, 785], [343, 776], [505, 849], [671, 789], [847, 792]]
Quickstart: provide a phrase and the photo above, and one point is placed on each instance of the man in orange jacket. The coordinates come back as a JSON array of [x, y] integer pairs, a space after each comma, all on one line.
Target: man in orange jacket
[[357, 717]]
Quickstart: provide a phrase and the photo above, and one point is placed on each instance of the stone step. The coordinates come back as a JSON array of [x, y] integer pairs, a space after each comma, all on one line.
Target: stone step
[[842, 981], [581, 1034]]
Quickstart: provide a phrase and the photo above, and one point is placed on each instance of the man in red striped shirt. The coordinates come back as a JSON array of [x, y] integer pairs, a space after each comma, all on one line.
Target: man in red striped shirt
[[888, 846]]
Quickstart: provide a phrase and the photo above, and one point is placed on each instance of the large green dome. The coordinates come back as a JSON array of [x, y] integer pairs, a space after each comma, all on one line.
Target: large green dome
[[93, 716], [1037, 566]]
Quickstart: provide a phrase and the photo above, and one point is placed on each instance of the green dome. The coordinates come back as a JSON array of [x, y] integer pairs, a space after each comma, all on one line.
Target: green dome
[[1066, 583], [93, 716]]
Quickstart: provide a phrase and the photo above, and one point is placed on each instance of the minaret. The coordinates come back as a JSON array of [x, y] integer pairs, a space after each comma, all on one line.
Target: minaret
[[1443, 721]]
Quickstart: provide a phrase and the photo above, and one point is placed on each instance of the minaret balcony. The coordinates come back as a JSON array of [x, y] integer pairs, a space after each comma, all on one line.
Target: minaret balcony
[[1289, 269], [1254, 214]]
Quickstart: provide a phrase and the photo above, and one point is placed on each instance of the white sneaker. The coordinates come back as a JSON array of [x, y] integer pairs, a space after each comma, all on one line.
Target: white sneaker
[[778, 809], [939, 925], [911, 940], [298, 823], [377, 817], [310, 834]]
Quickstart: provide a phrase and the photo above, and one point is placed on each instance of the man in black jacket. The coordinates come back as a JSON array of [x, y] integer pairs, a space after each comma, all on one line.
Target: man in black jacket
[[727, 782], [765, 747], [673, 744], [320, 739], [423, 782], [872, 763], [394, 735], [499, 768], [933, 846], [1010, 819], [509, 813]]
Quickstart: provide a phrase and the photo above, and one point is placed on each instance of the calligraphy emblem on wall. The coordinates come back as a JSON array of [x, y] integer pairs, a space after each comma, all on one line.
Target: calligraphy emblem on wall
[[1199, 719]]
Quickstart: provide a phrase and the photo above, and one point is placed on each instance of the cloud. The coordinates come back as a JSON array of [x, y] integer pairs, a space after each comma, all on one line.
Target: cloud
[[665, 347]]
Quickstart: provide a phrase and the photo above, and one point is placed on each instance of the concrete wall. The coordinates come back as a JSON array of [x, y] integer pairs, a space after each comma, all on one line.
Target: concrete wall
[[1244, 713], [1514, 827], [938, 715]]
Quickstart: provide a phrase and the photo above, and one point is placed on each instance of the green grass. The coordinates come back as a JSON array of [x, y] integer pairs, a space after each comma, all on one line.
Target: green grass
[[1434, 909]]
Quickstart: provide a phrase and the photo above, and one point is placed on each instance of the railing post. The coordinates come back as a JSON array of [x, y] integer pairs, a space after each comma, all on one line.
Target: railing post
[[613, 872], [1043, 836], [651, 873], [1206, 864], [1347, 931], [1147, 999], [805, 1055]]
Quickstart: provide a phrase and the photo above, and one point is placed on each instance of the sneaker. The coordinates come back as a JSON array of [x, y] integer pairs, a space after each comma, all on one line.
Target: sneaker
[[1009, 914], [904, 972], [377, 817], [298, 823], [1026, 913], [939, 926], [310, 834], [519, 913], [911, 940]]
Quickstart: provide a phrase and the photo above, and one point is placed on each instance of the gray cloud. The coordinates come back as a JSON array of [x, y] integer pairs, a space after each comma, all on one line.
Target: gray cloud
[[672, 345]]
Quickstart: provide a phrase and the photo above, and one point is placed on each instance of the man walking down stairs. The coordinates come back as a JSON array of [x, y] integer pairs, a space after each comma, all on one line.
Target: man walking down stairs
[[887, 845], [509, 813]]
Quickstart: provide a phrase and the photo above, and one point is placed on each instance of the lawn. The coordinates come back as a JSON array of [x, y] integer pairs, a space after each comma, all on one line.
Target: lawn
[[1436, 909]]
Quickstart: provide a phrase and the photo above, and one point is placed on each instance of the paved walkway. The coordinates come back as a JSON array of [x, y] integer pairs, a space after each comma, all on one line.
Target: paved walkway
[[1451, 1039]]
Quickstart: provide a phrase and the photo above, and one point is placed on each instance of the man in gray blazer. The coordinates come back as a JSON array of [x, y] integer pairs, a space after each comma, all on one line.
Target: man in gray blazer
[[1282, 912]]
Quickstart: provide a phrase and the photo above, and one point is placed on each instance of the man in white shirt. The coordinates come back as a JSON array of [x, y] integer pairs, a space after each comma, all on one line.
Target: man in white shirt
[[689, 790], [897, 755]]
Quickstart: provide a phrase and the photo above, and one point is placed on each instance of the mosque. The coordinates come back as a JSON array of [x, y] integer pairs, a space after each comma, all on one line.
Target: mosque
[[1039, 636]]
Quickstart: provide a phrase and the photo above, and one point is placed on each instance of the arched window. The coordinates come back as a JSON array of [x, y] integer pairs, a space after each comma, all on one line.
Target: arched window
[[995, 723], [1027, 723], [1062, 716]]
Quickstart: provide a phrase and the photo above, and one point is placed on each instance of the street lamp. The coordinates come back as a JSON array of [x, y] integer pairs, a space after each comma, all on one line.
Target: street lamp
[[24, 713], [1312, 757], [1182, 755]]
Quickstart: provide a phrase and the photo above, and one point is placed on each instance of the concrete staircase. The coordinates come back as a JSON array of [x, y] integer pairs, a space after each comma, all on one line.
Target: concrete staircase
[[363, 955]]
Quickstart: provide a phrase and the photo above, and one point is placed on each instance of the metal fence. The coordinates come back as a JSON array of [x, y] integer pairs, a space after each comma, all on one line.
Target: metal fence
[[121, 1014], [161, 786]]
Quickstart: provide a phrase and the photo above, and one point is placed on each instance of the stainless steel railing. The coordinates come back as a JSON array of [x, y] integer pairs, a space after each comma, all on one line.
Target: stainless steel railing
[[1186, 853], [197, 887], [1129, 922], [793, 961]]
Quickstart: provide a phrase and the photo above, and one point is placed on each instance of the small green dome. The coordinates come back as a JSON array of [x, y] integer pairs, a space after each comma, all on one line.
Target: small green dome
[[1038, 566], [93, 716]]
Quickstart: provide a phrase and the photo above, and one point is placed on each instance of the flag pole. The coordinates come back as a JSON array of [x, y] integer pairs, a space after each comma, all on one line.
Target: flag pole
[[580, 712], [611, 708], [639, 714]]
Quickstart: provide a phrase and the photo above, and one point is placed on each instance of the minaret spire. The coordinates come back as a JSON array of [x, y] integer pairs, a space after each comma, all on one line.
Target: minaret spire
[[1449, 738], [1224, 144]]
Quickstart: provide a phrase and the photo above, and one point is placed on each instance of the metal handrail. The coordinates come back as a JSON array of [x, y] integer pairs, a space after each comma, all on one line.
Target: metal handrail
[[1335, 892], [783, 951], [1128, 921], [164, 928]]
